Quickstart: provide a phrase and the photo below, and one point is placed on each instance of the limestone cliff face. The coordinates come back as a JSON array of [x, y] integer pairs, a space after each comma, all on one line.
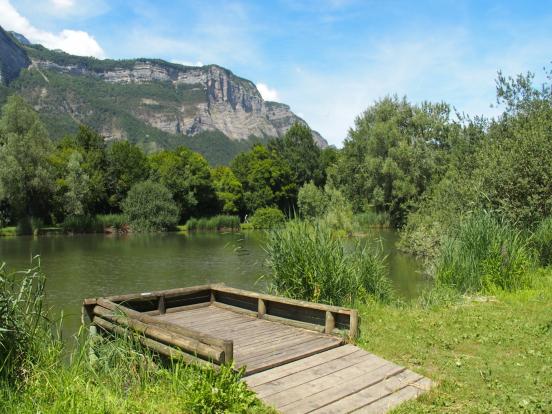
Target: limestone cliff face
[[12, 58], [214, 99]]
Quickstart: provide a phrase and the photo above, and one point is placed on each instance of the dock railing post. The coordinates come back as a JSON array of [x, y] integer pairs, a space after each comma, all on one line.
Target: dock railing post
[[228, 351], [261, 308], [330, 323], [353, 325], [161, 306]]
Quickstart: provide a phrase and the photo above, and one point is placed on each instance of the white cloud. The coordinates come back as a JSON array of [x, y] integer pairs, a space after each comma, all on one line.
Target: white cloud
[[188, 63], [63, 4], [76, 42], [268, 94]]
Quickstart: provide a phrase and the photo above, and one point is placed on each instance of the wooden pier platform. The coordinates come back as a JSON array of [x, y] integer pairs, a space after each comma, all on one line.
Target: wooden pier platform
[[296, 355]]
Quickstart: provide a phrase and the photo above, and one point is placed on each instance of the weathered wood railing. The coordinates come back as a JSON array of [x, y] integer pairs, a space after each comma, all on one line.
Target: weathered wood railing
[[136, 313]]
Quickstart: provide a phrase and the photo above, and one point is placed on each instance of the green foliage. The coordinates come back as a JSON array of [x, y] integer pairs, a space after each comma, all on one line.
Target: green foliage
[[228, 189], [308, 262], [22, 320], [149, 206], [339, 215], [25, 174], [370, 218], [266, 179], [220, 222], [187, 176], [541, 241], [117, 221], [301, 154], [311, 201], [127, 165], [482, 255], [393, 154], [82, 224], [267, 218]]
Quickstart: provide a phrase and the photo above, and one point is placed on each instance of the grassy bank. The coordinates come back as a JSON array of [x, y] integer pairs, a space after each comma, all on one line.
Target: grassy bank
[[486, 356], [215, 223]]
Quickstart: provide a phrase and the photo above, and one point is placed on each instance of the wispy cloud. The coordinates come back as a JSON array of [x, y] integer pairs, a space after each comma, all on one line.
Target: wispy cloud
[[76, 42]]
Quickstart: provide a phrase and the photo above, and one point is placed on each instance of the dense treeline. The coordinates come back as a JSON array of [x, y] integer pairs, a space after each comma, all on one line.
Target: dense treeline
[[81, 176]]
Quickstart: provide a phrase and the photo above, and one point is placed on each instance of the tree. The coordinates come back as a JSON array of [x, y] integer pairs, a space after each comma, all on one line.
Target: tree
[[126, 165], [77, 185], [149, 206], [392, 155], [26, 181], [187, 176], [299, 151], [228, 189], [266, 179]]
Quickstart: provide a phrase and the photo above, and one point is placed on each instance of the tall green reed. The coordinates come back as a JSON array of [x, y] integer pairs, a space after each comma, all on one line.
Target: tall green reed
[[219, 222], [308, 262], [483, 254]]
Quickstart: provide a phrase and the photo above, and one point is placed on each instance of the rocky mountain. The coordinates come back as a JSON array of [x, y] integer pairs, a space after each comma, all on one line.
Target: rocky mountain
[[152, 102]]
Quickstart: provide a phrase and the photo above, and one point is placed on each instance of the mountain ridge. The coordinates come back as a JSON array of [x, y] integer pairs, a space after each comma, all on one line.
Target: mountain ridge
[[155, 103]]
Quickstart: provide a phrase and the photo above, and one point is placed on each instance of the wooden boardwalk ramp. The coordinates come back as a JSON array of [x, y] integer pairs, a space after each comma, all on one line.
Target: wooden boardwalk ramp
[[295, 354]]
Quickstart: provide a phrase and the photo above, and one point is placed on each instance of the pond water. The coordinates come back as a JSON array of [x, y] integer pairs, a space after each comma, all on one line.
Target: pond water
[[84, 266]]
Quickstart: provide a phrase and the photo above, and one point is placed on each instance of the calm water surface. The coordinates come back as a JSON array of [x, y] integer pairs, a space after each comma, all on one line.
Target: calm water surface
[[96, 265]]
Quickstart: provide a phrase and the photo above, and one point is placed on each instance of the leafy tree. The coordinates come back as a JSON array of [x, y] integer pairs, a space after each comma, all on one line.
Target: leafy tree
[[187, 176], [299, 151], [126, 165], [228, 189], [26, 182], [267, 218], [392, 155], [266, 179], [149, 206], [77, 187]]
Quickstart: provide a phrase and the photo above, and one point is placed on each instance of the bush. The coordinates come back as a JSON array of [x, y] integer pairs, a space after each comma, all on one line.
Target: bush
[[220, 222], [117, 221], [267, 218], [541, 241], [311, 201], [149, 206], [22, 318], [309, 263], [371, 218], [82, 224], [482, 255]]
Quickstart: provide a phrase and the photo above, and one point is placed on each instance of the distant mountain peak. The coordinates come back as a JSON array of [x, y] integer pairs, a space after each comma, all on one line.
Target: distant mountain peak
[[20, 38]]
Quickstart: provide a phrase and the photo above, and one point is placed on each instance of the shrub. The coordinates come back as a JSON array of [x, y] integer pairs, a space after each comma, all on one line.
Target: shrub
[[149, 206], [311, 201], [482, 255], [309, 263], [220, 222], [117, 221], [371, 218], [541, 241], [22, 318], [81, 224], [267, 218]]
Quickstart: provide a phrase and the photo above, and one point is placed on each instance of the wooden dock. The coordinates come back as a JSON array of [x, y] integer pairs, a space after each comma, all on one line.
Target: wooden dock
[[296, 355]]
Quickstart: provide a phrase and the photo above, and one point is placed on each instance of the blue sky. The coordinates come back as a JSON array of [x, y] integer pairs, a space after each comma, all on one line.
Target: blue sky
[[328, 59]]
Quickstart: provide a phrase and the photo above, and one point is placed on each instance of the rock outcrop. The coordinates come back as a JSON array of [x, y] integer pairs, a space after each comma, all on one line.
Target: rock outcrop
[[12, 58]]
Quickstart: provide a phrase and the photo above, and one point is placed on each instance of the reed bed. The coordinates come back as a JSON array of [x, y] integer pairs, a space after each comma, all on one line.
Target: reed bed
[[308, 262], [483, 254], [215, 223]]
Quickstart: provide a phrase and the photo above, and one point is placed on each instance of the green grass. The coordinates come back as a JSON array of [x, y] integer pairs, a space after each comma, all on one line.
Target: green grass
[[309, 262], [215, 223], [485, 356], [8, 231], [119, 222], [370, 219]]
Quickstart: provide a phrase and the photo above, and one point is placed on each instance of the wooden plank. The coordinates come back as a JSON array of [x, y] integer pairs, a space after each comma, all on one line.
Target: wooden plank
[[176, 309], [263, 338], [370, 394], [155, 294], [277, 347], [254, 381], [373, 370], [311, 374], [333, 388], [391, 401], [308, 375], [289, 357], [278, 299]]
